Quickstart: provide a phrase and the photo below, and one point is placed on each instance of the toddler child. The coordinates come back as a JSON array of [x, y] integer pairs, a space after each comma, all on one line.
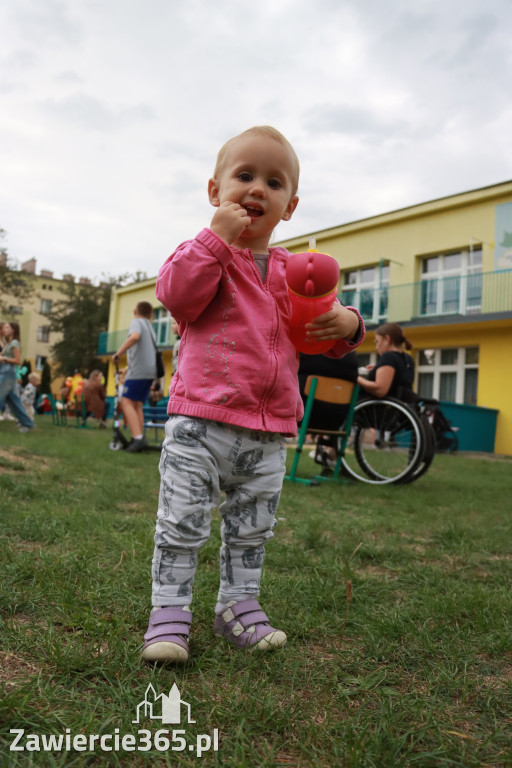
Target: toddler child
[[29, 394], [234, 397]]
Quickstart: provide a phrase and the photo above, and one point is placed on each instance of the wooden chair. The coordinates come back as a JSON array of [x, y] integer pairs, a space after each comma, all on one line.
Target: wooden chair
[[336, 392]]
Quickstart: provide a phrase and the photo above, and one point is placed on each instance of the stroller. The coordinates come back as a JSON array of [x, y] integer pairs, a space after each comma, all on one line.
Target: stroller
[[119, 440]]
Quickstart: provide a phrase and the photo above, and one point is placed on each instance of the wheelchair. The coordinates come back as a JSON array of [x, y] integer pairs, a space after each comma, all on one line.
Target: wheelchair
[[380, 442], [391, 442]]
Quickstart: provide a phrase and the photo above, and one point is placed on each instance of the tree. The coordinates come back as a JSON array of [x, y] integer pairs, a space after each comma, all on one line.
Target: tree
[[16, 286], [80, 317]]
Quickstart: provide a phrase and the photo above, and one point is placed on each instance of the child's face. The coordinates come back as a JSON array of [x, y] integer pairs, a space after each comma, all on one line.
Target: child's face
[[258, 173]]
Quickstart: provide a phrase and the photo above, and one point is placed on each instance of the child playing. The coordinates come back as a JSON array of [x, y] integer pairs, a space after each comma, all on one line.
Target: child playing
[[234, 397], [29, 394]]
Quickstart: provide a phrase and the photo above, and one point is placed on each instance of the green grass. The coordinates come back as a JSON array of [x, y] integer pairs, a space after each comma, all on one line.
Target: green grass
[[415, 671]]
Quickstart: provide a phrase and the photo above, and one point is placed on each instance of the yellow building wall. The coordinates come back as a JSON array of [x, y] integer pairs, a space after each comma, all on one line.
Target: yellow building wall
[[403, 238], [124, 300], [406, 236], [495, 381]]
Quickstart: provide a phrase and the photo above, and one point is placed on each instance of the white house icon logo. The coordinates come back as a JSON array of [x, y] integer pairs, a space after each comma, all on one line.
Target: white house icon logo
[[169, 706]]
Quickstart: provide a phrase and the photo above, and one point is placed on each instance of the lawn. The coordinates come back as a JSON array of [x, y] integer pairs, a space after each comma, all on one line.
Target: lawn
[[414, 670]]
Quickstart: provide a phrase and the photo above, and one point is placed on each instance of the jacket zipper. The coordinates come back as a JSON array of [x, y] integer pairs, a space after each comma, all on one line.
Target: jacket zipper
[[266, 395]]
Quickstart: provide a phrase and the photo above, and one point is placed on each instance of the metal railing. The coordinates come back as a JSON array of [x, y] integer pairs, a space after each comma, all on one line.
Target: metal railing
[[466, 295], [109, 342], [458, 295]]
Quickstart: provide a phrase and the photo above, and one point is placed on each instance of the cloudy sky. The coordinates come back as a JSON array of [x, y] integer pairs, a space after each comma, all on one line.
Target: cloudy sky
[[112, 112]]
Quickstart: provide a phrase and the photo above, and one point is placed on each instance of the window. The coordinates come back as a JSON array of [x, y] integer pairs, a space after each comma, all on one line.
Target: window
[[451, 283], [46, 306], [367, 289], [40, 361], [161, 325], [449, 374], [43, 333], [13, 310]]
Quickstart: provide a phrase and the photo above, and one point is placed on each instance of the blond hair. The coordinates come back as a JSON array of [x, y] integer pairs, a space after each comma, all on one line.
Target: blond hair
[[270, 133]]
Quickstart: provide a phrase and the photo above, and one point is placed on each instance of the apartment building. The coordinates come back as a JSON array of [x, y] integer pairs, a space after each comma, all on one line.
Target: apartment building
[[32, 313]]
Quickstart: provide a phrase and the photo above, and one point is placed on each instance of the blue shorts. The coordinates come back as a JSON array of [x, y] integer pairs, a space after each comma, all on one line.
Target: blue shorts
[[137, 389]]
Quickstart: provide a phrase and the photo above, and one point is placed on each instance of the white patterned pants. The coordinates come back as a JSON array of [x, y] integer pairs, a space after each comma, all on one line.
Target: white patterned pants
[[201, 458]]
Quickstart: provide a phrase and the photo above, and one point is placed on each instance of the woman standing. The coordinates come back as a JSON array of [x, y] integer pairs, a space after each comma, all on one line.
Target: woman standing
[[9, 361], [394, 373]]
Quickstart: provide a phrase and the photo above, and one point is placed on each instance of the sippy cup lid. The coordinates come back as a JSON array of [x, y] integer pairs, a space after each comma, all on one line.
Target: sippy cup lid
[[312, 273]]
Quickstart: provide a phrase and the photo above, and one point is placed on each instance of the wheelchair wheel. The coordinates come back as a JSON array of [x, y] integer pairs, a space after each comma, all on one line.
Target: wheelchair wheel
[[387, 443], [429, 451]]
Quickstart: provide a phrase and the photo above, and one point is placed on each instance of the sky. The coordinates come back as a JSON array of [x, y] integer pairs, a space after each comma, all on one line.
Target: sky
[[112, 113]]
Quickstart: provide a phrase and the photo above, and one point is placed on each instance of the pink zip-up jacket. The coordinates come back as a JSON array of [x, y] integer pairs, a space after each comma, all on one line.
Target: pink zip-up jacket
[[237, 364]]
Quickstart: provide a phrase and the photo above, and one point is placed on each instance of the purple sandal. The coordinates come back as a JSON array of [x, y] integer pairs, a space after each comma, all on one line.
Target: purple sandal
[[167, 635], [245, 625]]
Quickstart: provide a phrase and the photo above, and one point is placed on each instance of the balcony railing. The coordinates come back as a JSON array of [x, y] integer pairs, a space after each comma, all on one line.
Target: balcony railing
[[108, 343], [466, 295]]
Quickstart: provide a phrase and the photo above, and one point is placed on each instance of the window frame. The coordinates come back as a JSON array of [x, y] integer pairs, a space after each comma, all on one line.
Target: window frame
[[161, 322], [378, 287], [43, 334], [441, 282], [42, 307], [437, 368]]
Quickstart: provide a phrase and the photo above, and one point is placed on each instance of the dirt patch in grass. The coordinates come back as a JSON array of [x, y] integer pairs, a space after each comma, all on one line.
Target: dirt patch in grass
[[15, 670], [24, 620], [136, 507], [27, 546], [18, 461], [378, 571], [501, 680], [290, 760]]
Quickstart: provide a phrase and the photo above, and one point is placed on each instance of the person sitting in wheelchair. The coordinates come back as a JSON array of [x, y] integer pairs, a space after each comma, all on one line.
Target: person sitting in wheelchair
[[393, 375]]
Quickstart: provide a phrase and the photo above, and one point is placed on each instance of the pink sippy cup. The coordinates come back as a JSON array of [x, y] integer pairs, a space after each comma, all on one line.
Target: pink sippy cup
[[312, 279]]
